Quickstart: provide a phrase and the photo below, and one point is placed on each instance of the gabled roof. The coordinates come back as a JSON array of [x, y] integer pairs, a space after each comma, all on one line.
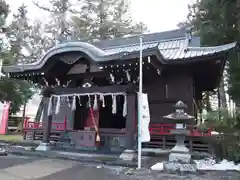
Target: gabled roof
[[167, 46]]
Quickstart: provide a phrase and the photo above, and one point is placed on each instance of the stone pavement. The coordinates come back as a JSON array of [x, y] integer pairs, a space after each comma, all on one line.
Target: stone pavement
[[21, 168], [30, 168]]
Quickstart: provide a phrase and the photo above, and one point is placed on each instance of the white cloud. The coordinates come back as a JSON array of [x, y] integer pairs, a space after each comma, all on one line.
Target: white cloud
[[160, 15]]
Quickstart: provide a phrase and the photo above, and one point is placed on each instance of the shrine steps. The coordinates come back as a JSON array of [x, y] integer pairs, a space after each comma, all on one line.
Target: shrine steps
[[38, 135]]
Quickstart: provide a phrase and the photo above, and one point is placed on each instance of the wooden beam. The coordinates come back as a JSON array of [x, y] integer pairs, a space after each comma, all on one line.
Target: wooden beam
[[102, 89], [156, 64], [79, 76]]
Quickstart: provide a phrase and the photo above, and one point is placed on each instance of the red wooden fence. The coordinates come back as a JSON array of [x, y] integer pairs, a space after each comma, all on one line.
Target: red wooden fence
[[57, 126], [164, 129], [155, 129]]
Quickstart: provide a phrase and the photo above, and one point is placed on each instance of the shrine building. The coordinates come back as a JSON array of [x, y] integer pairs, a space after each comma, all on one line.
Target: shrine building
[[89, 90]]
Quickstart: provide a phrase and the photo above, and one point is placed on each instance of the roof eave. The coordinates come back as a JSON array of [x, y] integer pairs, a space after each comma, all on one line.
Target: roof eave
[[219, 54], [98, 60], [94, 57]]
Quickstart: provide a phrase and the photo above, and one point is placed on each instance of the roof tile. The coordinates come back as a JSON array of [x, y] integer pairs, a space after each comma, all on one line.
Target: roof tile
[[172, 49]]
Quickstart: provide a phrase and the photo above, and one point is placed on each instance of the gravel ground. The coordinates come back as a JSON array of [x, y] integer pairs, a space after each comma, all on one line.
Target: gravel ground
[[153, 175], [29, 168]]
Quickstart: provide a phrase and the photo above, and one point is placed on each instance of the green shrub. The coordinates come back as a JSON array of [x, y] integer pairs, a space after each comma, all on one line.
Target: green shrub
[[227, 143]]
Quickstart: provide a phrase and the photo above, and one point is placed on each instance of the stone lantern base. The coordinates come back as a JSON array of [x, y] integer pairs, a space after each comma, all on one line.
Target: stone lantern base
[[180, 153], [180, 157]]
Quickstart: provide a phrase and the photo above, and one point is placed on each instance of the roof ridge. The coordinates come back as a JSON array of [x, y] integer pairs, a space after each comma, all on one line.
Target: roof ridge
[[144, 43], [147, 34]]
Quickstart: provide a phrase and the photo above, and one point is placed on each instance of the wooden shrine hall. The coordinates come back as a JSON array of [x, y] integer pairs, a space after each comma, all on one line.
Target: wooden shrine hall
[[89, 90]]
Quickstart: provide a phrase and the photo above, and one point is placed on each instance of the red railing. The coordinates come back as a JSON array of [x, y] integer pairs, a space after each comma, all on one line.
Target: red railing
[[161, 129], [155, 129], [58, 126], [164, 129], [197, 132]]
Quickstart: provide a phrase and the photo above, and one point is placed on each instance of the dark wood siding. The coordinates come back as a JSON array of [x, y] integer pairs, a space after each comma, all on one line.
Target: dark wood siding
[[165, 92]]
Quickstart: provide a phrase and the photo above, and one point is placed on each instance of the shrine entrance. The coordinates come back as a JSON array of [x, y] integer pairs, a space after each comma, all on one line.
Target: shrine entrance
[[109, 113], [99, 117], [107, 119], [80, 115]]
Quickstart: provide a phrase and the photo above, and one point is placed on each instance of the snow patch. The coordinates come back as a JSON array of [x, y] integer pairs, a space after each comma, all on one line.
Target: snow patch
[[211, 165], [206, 165], [157, 167]]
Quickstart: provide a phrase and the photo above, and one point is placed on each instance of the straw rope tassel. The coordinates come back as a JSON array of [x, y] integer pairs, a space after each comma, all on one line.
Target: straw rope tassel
[[95, 104], [68, 102], [58, 105], [114, 104], [125, 106], [103, 101], [74, 103], [79, 98], [49, 112], [89, 102]]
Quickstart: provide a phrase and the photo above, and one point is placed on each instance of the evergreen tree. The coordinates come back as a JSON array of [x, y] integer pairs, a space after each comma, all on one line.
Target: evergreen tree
[[218, 22], [4, 10], [18, 34], [38, 43], [58, 26], [27, 41], [15, 91], [105, 19]]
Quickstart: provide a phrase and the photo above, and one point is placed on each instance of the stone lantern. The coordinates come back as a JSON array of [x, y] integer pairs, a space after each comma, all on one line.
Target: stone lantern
[[180, 153]]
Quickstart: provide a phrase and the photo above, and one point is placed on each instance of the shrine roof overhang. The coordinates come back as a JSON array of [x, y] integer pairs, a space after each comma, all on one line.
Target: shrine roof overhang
[[167, 51]]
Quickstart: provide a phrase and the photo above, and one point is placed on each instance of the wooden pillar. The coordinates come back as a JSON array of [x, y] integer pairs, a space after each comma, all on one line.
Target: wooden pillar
[[47, 121], [130, 121]]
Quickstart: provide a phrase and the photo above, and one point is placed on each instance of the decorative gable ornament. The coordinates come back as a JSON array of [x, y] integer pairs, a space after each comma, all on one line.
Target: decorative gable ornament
[[87, 83]]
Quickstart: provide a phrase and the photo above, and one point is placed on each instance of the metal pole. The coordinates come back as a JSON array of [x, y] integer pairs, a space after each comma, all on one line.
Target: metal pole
[[140, 104]]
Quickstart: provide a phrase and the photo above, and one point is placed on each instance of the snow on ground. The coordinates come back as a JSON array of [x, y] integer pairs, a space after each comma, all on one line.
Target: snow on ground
[[157, 167], [224, 165], [207, 165]]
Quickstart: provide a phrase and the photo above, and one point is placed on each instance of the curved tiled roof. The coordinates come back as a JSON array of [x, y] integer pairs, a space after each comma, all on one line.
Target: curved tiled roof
[[194, 52], [174, 49], [177, 48], [92, 51]]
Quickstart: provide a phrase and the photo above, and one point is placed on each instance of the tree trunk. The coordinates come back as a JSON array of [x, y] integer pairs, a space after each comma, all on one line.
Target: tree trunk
[[208, 103], [222, 94]]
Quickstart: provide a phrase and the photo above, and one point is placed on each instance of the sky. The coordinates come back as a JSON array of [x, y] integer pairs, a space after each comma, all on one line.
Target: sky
[[158, 15]]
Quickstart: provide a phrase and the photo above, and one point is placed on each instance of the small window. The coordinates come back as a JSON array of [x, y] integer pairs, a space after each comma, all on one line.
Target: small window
[[90, 137], [81, 137]]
